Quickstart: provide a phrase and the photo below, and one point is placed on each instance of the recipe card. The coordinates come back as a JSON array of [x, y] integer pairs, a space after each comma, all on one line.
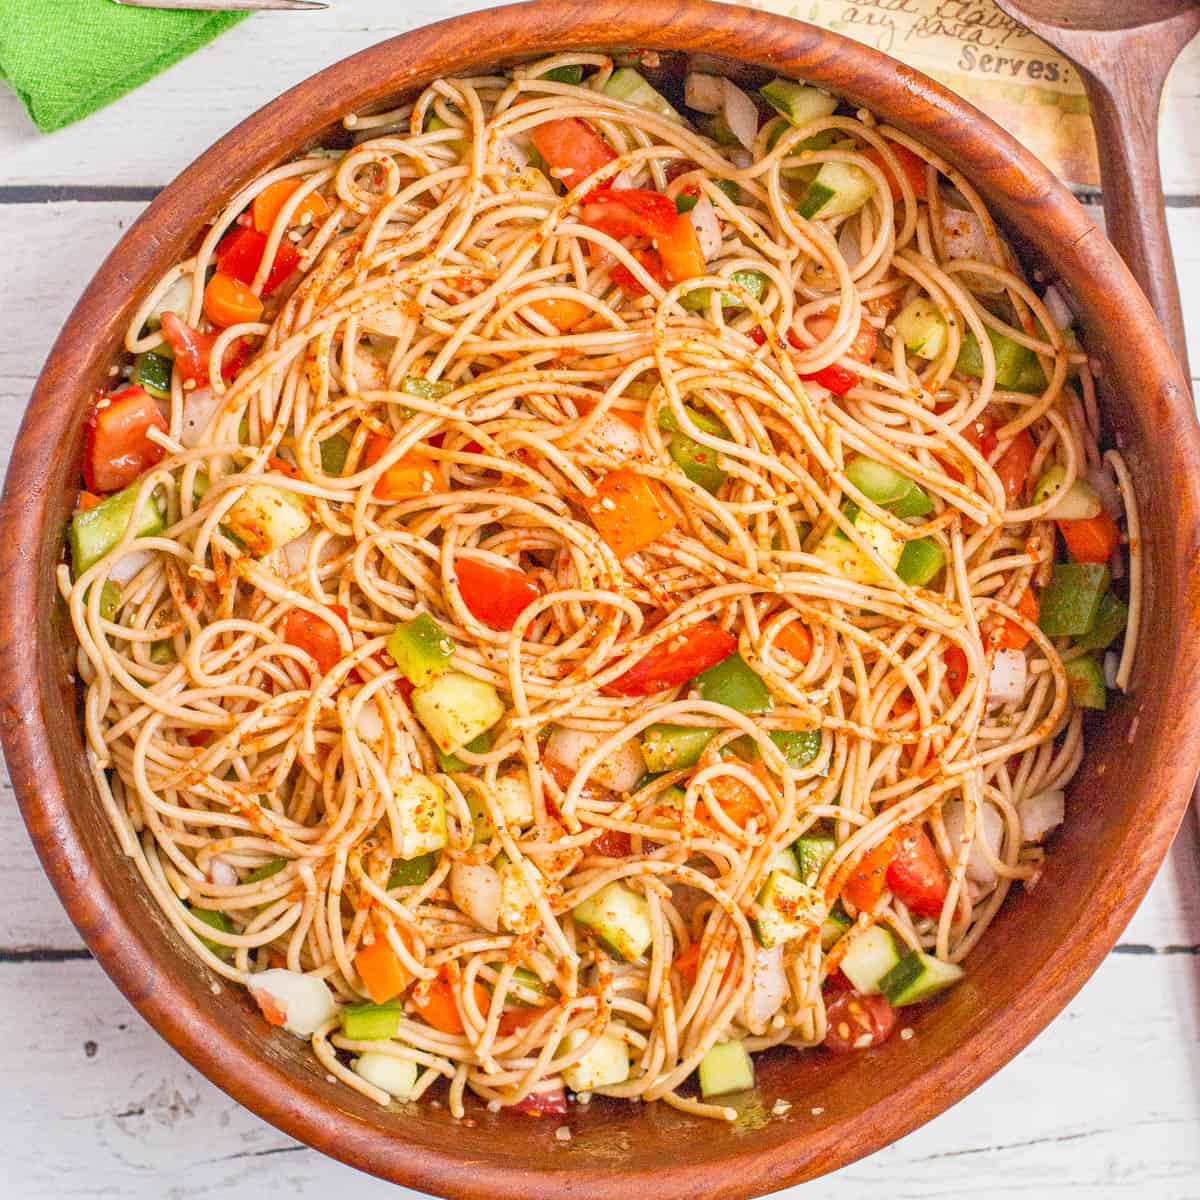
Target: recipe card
[[985, 56]]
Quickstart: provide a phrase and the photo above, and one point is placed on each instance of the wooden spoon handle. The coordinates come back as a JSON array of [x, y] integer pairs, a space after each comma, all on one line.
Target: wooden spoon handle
[[1125, 113]]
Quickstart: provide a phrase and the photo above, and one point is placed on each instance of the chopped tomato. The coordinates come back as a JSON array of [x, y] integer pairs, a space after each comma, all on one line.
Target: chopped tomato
[[513, 1020], [116, 446], [573, 150], [418, 473], [266, 1002], [381, 971], [916, 874], [1013, 465], [862, 348], [651, 260], [687, 962], [675, 661], [797, 641], [738, 802], [613, 843], [563, 314], [1012, 635], [497, 596], [228, 301], [435, 1002], [855, 1022], [869, 877], [193, 348], [628, 512], [543, 1104], [316, 636], [981, 433], [640, 212], [1094, 540], [241, 252], [913, 166], [87, 500], [834, 378], [955, 659], [270, 201]]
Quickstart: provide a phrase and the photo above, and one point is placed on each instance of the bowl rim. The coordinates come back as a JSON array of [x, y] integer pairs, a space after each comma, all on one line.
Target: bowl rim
[[30, 702]]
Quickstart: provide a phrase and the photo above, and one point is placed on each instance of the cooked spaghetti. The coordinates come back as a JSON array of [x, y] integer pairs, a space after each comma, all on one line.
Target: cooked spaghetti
[[590, 581]]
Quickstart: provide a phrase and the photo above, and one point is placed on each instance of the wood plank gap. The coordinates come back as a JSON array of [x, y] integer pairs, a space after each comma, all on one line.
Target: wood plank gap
[[44, 954], [85, 193]]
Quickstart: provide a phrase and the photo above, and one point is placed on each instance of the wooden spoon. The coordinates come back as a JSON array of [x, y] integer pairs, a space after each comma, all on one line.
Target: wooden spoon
[[1123, 57]]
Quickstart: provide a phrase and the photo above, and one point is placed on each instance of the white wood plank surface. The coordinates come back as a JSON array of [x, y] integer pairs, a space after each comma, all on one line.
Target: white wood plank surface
[[1105, 1104]]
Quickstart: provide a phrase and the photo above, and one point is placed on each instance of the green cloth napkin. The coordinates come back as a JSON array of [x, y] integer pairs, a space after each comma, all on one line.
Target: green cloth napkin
[[67, 58]]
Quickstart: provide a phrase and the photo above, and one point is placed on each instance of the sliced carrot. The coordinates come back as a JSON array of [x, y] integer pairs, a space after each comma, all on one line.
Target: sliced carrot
[[1012, 635], [869, 878], [562, 313], [381, 971], [270, 201], [436, 1004], [418, 473], [228, 301], [628, 512], [797, 641], [1094, 540], [913, 166]]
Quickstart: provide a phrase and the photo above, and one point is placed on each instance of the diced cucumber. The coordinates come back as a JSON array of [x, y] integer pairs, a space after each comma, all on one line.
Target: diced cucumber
[[620, 917], [922, 328], [162, 653], [755, 282], [518, 896], [732, 682], [717, 128], [818, 141], [839, 188], [372, 1022], [888, 487], [846, 558], [218, 920], [920, 560], [411, 872], [425, 389], [152, 371], [917, 976], [515, 797], [421, 648], [1017, 367], [1111, 619], [177, 299], [333, 454], [813, 851], [264, 518], [673, 747], [833, 927], [788, 908], [785, 861], [421, 811], [727, 1067], [626, 84], [1070, 602], [797, 103], [871, 956], [1085, 682], [456, 708], [110, 600], [731, 188], [451, 762], [605, 1064], [396, 1076], [668, 423], [96, 531], [569, 74], [1079, 502]]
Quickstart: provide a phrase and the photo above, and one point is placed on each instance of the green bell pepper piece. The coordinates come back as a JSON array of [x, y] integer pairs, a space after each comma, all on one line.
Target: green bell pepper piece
[[451, 762], [888, 487], [698, 463], [218, 920], [1018, 369], [799, 746], [755, 282], [421, 648], [410, 872], [920, 560], [733, 683], [95, 532], [569, 74], [266, 870], [1071, 600], [1111, 618], [333, 454], [372, 1022], [1085, 682], [152, 371], [673, 747]]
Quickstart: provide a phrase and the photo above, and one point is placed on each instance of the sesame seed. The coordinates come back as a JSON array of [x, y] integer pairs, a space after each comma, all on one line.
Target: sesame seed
[[817, 1111], [907, 1034], [562, 1133], [781, 1107]]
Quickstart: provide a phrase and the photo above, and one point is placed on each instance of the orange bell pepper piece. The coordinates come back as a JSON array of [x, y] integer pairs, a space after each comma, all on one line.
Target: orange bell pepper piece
[[418, 473], [1094, 540], [228, 301], [381, 971], [270, 201], [628, 512]]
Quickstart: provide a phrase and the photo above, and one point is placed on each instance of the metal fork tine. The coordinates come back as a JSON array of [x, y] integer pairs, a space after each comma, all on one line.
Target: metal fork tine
[[231, 5]]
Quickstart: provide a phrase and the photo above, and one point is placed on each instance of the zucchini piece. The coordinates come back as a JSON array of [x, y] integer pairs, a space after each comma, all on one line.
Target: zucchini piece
[[922, 328], [847, 559], [619, 917], [152, 371], [263, 518], [797, 103], [870, 957], [455, 709], [920, 560], [1085, 682], [673, 747], [411, 872], [755, 282], [1080, 502], [1017, 367], [785, 861], [372, 1022], [787, 908], [421, 648], [839, 188], [1111, 619], [813, 851], [917, 976], [727, 1067], [732, 682], [421, 809], [515, 797], [888, 487], [96, 531], [396, 1076], [626, 84], [605, 1064], [1070, 602]]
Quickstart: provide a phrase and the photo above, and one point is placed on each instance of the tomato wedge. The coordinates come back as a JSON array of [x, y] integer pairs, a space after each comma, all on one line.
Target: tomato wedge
[[497, 596], [241, 252], [1013, 465], [1094, 540], [640, 212], [913, 166], [955, 659], [193, 348], [836, 378], [676, 661], [916, 874], [857, 1022], [573, 150], [612, 843], [543, 1104], [116, 448], [316, 636]]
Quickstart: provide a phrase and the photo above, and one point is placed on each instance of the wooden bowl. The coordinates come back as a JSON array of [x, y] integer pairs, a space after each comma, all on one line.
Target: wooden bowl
[[1123, 808]]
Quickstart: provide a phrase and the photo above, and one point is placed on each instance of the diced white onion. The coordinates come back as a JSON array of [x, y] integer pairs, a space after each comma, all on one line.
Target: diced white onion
[[964, 234], [476, 891], [619, 771], [1112, 661], [848, 246], [1006, 683], [369, 726], [1056, 303], [739, 157], [221, 873], [304, 1000], [396, 1076], [514, 152], [199, 408], [989, 827], [610, 435], [1107, 490], [741, 115], [1041, 813], [769, 987], [708, 228], [294, 554], [128, 565], [703, 92]]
